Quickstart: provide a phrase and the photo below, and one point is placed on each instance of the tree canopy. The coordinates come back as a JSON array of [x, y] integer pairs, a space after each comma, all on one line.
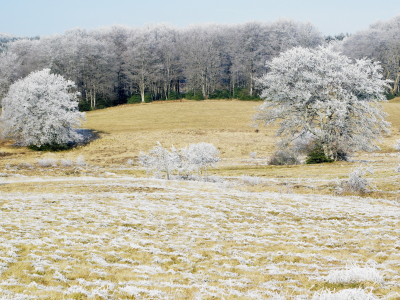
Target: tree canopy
[[323, 93], [41, 109]]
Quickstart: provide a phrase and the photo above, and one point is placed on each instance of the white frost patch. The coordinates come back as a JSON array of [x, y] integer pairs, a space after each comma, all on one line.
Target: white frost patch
[[347, 294], [355, 274]]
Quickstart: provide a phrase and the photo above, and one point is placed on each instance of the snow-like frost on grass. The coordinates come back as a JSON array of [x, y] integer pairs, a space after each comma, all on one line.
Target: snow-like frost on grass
[[123, 237], [346, 294], [355, 274]]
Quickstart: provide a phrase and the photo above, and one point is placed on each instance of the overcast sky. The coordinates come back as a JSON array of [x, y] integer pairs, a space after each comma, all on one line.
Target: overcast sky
[[45, 17]]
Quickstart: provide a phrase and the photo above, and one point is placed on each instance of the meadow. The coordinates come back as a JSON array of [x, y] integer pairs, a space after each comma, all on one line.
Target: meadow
[[100, 228]]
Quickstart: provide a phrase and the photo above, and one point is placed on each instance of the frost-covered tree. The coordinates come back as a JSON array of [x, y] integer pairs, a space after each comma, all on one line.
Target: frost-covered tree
[[9, 70], [201, 156], [186, 161], [41, 109], [379, 42], [324, 93]]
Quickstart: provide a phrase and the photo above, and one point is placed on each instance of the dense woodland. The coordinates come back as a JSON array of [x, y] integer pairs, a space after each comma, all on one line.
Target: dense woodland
[[119, 64]]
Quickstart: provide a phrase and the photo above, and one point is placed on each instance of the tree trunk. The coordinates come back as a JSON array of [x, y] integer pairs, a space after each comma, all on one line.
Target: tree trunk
[[395, 85]]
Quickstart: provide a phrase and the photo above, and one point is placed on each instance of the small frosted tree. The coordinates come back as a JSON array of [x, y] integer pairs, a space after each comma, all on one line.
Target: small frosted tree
[[201, 156], [41, 109], [195, 158], [159, 160], [324, 94]]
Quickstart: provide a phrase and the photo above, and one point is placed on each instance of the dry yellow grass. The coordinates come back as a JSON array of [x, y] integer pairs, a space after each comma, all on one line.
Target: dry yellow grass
[[126, 130], [100, 232]]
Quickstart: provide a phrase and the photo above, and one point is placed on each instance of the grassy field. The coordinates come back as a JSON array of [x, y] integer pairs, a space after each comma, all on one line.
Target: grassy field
[[105, 231]]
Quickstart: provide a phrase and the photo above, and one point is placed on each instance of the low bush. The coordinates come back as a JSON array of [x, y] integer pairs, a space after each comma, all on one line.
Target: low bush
[[52, 147], [138, 99], [134, 99], [220, 94], [191, 95], [251, 180], [389, 96], [317, 155], [184, 163], [284, 157], [356, 182], [47, 162], [84, 106], [80, 161], [66, 163], [243, 94], [175, 96]]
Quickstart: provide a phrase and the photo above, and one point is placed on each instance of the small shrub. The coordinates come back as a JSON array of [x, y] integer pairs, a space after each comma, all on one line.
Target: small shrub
[[84, 106], [397, 146], [80, 161], [389, 96], [134, 99], [27, 165], [220, 94], [356, 183], [66, 163], [52, 147], [317, 155], [47, 162], [253, 155], [175, 96], [244, 94], [198, 95], [148, 98], [138, 99], [283, 157], [183, 163], [251, 180]]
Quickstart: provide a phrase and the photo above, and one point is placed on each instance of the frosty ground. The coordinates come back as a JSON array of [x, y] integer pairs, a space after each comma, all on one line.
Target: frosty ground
[[100, 228], [123, 237]]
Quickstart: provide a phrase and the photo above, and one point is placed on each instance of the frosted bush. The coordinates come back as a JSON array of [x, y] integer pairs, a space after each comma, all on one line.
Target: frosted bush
[[159, 160], [129, 162], [284, 157], [347, 294], [182, 163], [251, 180], [27, 165], [80, 161], [356, 183], [66, 163], [253, 155], [47, 162], [397, 146], [354, 274], [201, 156]]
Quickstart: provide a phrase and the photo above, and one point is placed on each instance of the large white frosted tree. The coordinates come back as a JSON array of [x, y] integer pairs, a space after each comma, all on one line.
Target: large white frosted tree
[[323, 93], [41, 109]]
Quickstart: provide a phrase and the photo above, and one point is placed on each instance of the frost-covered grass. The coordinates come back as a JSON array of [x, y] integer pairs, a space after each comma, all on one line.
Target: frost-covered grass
[[98, 228], [120, 237]]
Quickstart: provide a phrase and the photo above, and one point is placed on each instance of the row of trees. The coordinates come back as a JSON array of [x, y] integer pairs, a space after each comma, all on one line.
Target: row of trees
[[112, 63], [380, 42]]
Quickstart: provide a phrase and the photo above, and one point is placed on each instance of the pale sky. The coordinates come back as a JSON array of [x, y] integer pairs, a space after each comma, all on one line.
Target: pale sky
[[45, 17]]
